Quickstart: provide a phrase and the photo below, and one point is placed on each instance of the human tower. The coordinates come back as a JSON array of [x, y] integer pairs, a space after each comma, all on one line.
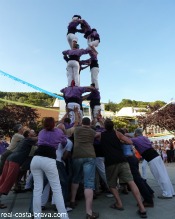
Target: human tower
[[73, 92]]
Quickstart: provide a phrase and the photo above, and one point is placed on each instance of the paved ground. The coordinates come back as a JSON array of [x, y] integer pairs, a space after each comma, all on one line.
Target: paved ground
[[19, 203]]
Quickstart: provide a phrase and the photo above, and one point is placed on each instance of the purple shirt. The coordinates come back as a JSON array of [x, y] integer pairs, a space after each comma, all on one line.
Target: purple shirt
[[72, 26], [74, 91], [51, 138], [95, 94], [86, 25], [76, 52], [94, 36], [93, 55], [141, 143], [68, 126]]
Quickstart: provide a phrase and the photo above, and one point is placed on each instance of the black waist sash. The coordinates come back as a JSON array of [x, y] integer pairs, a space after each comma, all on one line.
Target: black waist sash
[[149, 154], [94, 63], [94, 102], [46, 151], [72, 30], [73, 99], [74, 57]]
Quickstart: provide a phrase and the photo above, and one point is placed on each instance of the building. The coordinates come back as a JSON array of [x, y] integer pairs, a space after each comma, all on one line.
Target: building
[[130, 112]]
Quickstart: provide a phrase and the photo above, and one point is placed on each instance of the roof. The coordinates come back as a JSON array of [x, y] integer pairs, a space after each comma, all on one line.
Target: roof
[[130, 111]]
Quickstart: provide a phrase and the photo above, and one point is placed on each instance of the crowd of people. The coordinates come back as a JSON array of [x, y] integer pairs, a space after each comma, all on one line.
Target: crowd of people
[[66, 155], [166, 149], [71, 153]]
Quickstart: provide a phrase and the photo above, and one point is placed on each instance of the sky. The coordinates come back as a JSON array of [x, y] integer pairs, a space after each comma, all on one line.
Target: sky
[[136, 52]]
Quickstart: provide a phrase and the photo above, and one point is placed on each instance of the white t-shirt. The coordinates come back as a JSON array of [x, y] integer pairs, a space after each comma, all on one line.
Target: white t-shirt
[[61, 149]]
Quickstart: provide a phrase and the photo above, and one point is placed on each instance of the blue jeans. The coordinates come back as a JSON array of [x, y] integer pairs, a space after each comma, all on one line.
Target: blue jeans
[[85, 166]]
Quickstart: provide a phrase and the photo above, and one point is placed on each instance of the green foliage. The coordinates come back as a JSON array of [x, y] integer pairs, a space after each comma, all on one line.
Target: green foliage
[[153, 106], [110, 106], [125, 123], [44, 100], [34, 98], [13, 114]]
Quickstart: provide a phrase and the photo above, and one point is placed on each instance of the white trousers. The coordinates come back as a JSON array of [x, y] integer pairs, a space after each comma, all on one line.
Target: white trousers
[[70, 38], [94, 76], [159, 172], [144, 168], [95, 111], [92, 43], [73, 68], [45, 195], [71, 106], [39, 166]]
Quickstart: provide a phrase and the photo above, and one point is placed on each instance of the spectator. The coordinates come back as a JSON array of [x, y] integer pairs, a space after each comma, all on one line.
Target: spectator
[[17, 137]]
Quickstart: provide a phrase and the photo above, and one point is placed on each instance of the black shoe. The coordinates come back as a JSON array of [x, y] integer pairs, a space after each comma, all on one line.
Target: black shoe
[[93, 216], [142, 214], [43, 208]]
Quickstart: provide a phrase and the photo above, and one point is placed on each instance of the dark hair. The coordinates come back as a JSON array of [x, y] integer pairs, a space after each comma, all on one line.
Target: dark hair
[[67, 120], [109, 125], [86, 121], [49, 123], [93, 84], [17, 127], [26, 133], [77, 16]]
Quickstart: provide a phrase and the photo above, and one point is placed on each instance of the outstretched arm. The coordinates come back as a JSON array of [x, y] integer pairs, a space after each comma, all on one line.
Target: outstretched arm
[[62, 119], [123, 138], [65, 52], [90, 88], [77, 116]]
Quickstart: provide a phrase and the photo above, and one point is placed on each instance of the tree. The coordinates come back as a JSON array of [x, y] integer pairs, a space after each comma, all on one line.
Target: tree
[[124, 123], [111, 106], [163, 117], [12, 114]]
